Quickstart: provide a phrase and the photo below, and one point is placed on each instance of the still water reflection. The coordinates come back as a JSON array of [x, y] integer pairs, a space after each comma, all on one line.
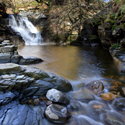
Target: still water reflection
[[72, 62]]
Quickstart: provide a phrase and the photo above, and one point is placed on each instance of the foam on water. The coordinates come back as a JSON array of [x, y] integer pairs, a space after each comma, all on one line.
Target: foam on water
[[23, 27]]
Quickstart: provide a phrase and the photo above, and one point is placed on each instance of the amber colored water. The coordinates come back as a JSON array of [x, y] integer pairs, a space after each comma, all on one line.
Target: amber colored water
[[72, 62]]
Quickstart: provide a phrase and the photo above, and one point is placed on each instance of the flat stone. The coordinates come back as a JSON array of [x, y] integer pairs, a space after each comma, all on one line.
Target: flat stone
[[6, 49], [6, 41], [20, 77], [9, 68], [5, 57], [11, 76]]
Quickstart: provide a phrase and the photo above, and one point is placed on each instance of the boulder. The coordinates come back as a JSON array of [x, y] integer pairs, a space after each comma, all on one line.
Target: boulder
[[57, 113], [16, 59], [58, 82], [29, 60], [57, 96], [95, 86]]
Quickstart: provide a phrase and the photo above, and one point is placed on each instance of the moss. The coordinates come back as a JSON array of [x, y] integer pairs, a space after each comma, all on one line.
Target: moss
[[34, 3], [115, 46], [110, 21]]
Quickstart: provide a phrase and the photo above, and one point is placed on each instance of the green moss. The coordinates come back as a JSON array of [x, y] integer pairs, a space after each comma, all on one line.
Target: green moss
[[35, 3], [115, 46]]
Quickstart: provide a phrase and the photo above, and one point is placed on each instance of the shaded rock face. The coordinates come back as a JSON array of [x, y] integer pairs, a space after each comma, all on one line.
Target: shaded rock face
[[8, 53], [57, 113], [96, 86]]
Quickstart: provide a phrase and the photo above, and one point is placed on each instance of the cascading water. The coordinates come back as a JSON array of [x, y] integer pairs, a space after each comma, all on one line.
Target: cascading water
[[23, 27]]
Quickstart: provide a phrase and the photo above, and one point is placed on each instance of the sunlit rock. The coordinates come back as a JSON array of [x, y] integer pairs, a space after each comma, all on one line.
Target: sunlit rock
[[57, 96], [9, 67], [108, 96]]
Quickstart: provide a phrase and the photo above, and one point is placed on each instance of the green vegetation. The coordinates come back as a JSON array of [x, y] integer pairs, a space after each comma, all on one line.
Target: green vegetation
[[116, 46]]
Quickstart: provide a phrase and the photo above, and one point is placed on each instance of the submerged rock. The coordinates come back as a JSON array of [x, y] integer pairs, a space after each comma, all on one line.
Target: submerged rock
[[83, 94], [57, 96], [108, 96], [96, 86], [57, 113], [113, 118], [119, 103]]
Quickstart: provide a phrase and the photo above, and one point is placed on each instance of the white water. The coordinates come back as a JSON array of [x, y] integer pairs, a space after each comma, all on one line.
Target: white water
[[23, 27]]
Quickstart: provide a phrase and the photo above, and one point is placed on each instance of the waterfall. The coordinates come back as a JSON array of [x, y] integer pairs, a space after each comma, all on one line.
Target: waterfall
[[23, 27]]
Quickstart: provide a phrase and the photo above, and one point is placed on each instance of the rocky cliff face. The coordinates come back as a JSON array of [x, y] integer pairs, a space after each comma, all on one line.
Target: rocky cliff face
[[106, 27]]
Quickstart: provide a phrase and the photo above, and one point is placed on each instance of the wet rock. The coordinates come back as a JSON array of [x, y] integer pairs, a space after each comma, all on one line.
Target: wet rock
[[95, 108], [5, 57], [83, 94], [83, 120], [57, 113], [77, 108], [1, 40], [113, 118], [58, 82], [6, 98], [30, 60], [57, 96], [9, 68], [11, 76], [7, 49], [16, 59], [108, 96], [122, 91], [119, 103], [96, 86]]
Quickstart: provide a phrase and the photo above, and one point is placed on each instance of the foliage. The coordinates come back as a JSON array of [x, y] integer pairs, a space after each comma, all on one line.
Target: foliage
[[115, 46]]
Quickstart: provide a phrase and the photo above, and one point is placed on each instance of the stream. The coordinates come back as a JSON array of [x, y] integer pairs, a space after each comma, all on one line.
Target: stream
[[81, 65]]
